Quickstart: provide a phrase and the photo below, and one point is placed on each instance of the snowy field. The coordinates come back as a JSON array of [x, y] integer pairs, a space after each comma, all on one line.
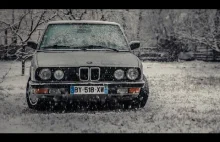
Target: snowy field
[[184, 97]]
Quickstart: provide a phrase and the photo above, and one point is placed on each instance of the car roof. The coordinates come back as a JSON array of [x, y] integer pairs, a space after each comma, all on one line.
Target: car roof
[[83, 22]]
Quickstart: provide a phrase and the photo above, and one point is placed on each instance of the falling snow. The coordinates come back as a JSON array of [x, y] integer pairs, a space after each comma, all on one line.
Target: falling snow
[[183, 98]]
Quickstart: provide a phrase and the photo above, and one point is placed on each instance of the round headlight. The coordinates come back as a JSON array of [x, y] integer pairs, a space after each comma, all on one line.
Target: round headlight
[[58, 74], [132, 74], [119, 74], [45, 74]]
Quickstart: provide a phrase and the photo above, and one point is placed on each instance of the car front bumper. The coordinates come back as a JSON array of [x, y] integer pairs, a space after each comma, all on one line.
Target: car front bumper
[[61, 90]]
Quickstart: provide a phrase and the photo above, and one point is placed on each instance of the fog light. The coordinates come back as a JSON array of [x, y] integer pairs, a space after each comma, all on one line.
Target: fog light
[[134, 90], [122, 90], [41, 91]]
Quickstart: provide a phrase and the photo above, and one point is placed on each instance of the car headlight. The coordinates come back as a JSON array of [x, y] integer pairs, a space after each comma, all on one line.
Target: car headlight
[[119, 74], [132, 74], [58, 74], [45, 74]]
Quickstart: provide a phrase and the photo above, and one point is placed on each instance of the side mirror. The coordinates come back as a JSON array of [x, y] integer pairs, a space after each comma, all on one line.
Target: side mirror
[[32, 44], [134, 44]]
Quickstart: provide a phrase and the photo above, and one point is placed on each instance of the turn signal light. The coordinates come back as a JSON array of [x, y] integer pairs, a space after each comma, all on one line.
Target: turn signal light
[[134, 90], [41, 91]]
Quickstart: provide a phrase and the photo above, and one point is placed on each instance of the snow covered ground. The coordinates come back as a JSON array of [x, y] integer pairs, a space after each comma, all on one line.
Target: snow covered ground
[[184, 97]]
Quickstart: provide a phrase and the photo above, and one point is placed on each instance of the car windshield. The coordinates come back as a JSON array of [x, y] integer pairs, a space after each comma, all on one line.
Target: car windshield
[[74, 36]]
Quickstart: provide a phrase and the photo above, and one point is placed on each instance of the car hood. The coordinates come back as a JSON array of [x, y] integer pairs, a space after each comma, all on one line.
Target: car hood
[[86, 58]]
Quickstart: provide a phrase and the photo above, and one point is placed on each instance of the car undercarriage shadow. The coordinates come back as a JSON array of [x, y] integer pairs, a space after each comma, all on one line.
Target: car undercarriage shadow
[[83, 108]]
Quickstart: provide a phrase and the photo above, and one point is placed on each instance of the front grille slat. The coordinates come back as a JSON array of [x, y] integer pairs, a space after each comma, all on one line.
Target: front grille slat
[[94, 73], [84, 74]]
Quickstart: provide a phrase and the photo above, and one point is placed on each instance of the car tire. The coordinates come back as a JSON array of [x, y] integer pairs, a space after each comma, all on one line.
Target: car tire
[[141, 100], [144, 93], [32, 105]]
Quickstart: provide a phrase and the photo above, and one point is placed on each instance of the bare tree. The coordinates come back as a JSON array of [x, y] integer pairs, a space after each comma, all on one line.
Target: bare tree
[[27, 23], [71, 14]]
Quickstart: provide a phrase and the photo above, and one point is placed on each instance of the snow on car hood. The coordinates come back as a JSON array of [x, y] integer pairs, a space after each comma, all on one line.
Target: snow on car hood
[[81, 58]]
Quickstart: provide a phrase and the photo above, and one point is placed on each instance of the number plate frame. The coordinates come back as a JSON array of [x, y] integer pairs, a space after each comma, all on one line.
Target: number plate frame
[[79, 90]]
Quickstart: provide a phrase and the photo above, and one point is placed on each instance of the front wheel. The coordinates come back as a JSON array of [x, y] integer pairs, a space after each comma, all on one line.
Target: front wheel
[[142, 98], [32, 101]]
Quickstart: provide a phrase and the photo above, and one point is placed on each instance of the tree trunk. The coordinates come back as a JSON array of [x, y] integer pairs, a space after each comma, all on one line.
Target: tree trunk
[[217, 29], [14, 37], [123, 20], [6, 37], [139, 24], [102, 15]]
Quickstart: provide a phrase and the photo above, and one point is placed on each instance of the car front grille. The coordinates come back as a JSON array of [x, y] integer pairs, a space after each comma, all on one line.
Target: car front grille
[[86, 73]]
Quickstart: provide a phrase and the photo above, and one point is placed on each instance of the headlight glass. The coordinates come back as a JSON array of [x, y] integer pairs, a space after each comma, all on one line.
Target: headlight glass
[[45, 74], [119, 74], [132, 74], [58, 74]]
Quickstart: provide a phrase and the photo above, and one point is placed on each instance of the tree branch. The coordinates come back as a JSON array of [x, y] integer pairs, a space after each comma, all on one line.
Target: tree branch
[[20, 21], [10, 27], [56, 14], [80, 17], [38, 23]]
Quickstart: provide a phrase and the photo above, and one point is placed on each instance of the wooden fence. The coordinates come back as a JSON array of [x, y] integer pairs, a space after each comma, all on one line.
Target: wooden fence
[[151, 53], [202, 53], [205, 53]]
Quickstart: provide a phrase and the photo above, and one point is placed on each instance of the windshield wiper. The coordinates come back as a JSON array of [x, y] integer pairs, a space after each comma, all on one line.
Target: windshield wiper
[[55, 47], [96, 46], [64, 47]]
